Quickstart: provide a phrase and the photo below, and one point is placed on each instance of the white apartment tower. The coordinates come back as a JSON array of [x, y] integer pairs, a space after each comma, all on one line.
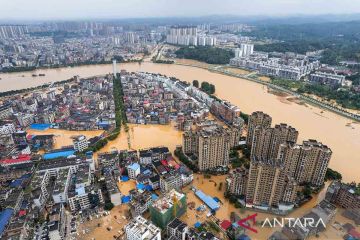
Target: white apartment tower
[[245, 50], [114, 68]]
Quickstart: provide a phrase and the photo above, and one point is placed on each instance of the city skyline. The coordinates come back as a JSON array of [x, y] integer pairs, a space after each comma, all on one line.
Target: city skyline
[[66, 10]]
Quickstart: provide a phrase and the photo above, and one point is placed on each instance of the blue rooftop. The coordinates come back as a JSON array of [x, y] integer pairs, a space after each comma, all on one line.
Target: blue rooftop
[[80, 191], [134, 166], [40, 126], [154, 196], [208, 200], [124, 178], [125, 199], [140, 186], [244, 237], [5, 217], [57, 154]]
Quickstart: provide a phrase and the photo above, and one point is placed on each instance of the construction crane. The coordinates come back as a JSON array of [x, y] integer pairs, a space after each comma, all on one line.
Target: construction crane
[[176, 204]]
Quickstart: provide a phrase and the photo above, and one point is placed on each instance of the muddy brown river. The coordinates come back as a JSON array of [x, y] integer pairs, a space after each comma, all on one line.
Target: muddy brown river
[[339, 133]]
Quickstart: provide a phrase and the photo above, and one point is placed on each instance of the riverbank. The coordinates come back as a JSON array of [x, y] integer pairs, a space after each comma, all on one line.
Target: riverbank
[[31, 69], [304, 97], [340, 134]]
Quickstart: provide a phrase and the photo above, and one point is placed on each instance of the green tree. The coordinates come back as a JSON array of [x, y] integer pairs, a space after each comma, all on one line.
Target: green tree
[[196, 83]]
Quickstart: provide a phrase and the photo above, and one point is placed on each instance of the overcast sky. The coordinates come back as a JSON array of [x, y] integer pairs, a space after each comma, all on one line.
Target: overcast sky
[[75, 9]]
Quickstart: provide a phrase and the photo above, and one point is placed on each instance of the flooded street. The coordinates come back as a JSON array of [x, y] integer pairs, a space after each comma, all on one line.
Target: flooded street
[[339, 133], [140, 136], [63, 138]]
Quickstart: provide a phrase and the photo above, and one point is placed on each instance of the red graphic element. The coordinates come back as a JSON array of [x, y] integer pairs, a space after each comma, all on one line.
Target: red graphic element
[[243, 222]]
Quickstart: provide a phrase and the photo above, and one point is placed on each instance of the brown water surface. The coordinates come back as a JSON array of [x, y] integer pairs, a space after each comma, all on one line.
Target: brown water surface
[[339, 133]]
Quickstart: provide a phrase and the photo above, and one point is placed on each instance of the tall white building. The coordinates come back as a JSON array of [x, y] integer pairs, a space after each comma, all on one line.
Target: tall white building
[[245, 50], [130, 37], [114, 68], [188, 36], [141, 229], [80, 143]]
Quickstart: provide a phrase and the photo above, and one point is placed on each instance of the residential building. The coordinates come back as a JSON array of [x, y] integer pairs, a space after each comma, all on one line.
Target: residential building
[[169, 206], [80, 143], [133, 170], [344, 195], [237, 181], [141, 229], [327, 79], [6, 111], [257, 119], [245, 50], [266, 141], [306, 163], [140, 202], [177, 229], [324, 211], [211, 145], [265, 184]]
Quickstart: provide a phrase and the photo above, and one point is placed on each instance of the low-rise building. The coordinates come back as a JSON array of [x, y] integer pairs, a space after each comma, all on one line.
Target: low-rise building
[[141, 229], [133, 170], [169, 206], [327, 79], [80, 143]]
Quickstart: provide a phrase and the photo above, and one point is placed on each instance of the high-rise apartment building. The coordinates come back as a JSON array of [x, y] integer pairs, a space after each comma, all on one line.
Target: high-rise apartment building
[[306, 163], [130, 37], [188, 35], [278, 164], [211, 145], [266, 141], [265, 184], [257, 119], [245, 50], [237, 181], [13, 31]]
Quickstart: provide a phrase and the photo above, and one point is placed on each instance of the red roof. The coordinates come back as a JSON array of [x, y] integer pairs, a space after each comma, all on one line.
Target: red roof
[[225, 224], [164, 162], [19, 159], [22, 213], [354, 233]]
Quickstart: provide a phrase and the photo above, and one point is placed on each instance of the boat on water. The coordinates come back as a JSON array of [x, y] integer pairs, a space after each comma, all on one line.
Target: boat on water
[[34, 75], [41, 74]]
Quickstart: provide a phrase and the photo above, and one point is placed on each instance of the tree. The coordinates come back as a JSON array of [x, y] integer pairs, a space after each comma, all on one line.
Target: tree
[[108, 206], [208, 88], [332, 175], [212, 89], [196, 83], [307, 190], [207, 54]]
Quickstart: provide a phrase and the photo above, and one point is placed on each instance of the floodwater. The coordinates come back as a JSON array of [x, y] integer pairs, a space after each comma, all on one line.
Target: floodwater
[[97, 228], [63, 138], [138, 137], [145, 136], [211, 187], [339, 133]]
